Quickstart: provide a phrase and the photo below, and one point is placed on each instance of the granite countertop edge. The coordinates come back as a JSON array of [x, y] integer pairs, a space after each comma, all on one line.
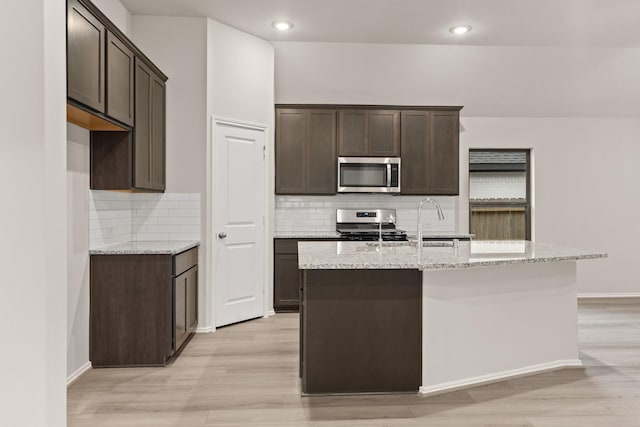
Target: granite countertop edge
[[306, 235], [442, 265], [335, 234], [146, 248], [308, 260]]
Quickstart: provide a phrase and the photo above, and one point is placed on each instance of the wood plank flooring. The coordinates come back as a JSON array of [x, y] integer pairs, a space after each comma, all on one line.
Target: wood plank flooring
[[247, 374]]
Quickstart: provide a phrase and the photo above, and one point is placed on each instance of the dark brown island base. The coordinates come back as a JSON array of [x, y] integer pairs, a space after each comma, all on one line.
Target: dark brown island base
[[387, 317], [366, 329]]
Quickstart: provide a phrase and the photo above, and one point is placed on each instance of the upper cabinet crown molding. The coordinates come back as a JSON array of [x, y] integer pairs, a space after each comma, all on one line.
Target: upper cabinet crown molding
[[370, 107]]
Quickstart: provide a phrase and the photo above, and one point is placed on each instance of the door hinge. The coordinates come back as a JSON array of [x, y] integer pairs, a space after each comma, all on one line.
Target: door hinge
[[264, 152]]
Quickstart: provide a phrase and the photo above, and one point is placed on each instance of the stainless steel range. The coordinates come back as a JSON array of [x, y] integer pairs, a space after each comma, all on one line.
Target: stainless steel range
[[368, 224]]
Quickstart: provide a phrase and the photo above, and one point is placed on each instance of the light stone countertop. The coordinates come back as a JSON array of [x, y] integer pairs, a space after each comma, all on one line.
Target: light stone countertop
[[146, 248], [443, 236], [306, 235], [395, 255], [336, 235]]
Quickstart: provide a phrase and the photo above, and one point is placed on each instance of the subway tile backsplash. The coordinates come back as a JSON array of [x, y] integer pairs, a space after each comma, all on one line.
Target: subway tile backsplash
[[119, 217], [318, 213]]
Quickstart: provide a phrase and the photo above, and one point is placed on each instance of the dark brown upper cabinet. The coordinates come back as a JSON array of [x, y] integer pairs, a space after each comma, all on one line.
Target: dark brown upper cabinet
[[306, 161], [115, 91], [134, 160], [308, 136], [149, 130], [430, 152], [120, 65], [86, 44], [368, 133]]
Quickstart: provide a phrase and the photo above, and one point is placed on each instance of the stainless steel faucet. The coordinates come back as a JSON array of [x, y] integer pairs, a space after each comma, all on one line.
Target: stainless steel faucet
[[440, 217]]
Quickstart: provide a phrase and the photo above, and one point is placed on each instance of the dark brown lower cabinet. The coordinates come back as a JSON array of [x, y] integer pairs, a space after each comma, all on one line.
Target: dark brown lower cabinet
[[361, 331], [185, 307], [143, 308], [286, 276]]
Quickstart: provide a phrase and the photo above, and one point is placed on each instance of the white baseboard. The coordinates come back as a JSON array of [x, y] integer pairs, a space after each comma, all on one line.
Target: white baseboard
[[610, 295], [204, 330], [499, 376], [271, 312], [78, 373]]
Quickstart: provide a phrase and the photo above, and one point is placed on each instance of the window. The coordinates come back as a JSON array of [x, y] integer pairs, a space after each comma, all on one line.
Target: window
[[499, 194]]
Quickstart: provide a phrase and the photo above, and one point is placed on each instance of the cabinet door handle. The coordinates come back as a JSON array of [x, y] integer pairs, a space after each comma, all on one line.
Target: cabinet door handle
[[222, 235]]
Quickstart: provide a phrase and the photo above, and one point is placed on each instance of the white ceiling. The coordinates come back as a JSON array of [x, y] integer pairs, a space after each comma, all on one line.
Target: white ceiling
[[606, 23]]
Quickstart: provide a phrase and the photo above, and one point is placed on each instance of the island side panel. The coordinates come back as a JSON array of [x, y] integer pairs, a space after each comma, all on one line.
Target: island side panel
[[361, 331], [488, 323]]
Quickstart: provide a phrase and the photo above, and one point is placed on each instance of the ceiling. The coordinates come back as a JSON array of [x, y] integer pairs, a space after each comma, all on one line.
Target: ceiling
[[605, 23]]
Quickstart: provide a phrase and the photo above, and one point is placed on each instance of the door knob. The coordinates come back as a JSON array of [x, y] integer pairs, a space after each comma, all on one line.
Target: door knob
[[222, 235]]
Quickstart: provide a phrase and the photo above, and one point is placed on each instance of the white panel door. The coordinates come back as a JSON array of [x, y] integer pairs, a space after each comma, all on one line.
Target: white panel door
[[239, 199]]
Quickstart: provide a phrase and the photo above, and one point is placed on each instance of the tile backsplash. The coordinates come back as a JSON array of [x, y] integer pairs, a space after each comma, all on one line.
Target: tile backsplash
[[119, 217], [318, 213]]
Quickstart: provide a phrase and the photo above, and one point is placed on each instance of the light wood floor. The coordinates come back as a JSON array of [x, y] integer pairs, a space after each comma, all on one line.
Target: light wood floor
[[246, 374]]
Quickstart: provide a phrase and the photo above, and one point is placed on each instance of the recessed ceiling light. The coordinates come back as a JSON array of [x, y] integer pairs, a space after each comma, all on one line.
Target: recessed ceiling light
[[460, 29], [282, 25]]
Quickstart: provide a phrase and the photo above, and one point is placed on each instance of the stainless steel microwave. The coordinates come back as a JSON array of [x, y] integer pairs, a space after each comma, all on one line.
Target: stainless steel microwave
[[368, 174]]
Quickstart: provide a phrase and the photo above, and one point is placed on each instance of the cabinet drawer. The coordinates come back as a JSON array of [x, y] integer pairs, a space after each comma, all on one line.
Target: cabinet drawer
[[286, 246], [184, 261]]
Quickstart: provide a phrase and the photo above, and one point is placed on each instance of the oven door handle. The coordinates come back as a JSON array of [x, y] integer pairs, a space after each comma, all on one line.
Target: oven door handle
[[388, 174]]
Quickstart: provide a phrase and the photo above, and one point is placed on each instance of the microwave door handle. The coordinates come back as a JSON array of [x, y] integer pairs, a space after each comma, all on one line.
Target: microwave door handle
[[388, 174]]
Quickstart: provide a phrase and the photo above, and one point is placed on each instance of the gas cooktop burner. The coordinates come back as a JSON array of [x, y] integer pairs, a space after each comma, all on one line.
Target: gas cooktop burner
[[365, 237], [368, 224]]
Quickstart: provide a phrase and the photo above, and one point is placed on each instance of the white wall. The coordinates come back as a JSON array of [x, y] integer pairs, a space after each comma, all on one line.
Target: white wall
[[489, 81], [240, 87], [585, 178], [213, 70], [77, 250], [178, 46], [33, 215], [576, 107], [117, 13], [77, 222], [241, 72]]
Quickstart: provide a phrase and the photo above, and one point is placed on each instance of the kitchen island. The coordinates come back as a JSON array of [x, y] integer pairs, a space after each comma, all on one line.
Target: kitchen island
[[378, 317]]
